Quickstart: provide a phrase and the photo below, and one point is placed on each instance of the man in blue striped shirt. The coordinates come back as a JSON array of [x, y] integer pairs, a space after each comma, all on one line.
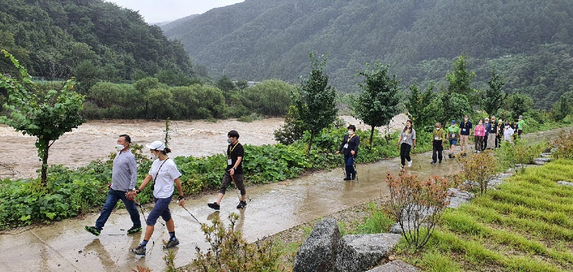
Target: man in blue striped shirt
[[124, 176]]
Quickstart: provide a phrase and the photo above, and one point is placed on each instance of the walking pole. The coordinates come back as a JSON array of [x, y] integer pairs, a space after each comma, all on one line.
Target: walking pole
[[142, 209], [191, 214]]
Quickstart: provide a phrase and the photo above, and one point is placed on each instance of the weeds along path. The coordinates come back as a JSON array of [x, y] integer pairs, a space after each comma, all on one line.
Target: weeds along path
[[65, 246]]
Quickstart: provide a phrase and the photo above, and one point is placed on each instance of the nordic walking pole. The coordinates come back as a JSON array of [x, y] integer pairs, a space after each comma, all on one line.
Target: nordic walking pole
[[191, 214]]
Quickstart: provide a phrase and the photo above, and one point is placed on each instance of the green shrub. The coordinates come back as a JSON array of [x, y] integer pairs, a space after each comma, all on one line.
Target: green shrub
[[229, 251]]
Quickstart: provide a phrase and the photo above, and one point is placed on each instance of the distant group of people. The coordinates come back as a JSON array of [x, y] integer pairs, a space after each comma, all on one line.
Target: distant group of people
[[164, 178], [487, 135]]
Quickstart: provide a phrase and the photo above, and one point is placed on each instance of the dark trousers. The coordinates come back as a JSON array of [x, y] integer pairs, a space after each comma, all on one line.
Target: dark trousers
[[484, 143], [437, 150], [479, 143], [405, 153], [113, 197], [349, 166]]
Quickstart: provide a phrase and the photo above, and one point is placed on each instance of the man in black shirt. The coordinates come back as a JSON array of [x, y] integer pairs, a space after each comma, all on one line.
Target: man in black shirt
[[349, 147], [234, 172]]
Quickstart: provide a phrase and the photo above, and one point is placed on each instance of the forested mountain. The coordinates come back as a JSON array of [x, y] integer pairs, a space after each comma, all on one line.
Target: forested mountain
[[88, 38], [527, 42]]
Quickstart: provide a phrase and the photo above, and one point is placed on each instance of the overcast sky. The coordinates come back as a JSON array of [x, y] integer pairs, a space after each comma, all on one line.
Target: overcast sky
[[156, 11]]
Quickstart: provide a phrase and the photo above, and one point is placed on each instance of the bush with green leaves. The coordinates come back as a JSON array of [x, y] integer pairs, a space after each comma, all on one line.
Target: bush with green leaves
[[229, 251], [520, 152]]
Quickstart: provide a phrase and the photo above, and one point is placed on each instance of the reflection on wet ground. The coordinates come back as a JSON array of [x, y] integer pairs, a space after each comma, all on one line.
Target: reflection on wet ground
[[65, 246]]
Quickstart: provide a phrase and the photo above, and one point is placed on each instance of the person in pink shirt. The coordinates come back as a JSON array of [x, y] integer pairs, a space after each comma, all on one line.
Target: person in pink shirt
[[479, 133]]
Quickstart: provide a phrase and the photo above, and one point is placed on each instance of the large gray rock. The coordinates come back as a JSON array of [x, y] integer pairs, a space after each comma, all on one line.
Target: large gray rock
[[360, 252], [318, 253], [457, 197], [394, 266], [541, 161]]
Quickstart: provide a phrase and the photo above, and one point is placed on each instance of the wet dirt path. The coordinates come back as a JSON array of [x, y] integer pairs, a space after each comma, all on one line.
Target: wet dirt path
[[65, 246]]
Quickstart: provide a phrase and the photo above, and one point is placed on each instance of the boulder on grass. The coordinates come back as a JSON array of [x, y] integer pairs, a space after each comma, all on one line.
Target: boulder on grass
[[318, 253], [360, 252]]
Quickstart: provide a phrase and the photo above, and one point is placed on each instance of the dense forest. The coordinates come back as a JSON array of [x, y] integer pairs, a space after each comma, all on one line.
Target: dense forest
[[90, 39], [527, 42]]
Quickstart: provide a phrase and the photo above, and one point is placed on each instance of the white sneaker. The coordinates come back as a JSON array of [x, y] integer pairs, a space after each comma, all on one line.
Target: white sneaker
[[410, 164]]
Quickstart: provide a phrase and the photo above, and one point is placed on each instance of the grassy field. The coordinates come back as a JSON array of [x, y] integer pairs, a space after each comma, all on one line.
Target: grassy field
[[525, 225]]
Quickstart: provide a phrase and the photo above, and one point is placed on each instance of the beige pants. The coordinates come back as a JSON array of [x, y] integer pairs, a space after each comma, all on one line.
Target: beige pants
[[464, 142]]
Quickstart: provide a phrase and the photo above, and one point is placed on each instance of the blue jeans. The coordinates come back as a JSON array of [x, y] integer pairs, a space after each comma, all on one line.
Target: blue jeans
[[113, 197], [349, 166]]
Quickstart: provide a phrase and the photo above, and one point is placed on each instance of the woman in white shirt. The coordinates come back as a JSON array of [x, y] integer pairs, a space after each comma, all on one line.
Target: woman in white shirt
[[165, 175]]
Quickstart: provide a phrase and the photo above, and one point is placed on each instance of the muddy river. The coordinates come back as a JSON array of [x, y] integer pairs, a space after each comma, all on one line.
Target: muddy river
[[96, 140]]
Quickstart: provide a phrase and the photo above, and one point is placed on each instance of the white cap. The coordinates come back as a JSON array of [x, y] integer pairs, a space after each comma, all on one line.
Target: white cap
[[157, 145]]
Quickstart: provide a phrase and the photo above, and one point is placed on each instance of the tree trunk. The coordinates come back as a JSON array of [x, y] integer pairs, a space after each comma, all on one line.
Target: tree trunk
[[371, 135], [44, 178], [310, 143]]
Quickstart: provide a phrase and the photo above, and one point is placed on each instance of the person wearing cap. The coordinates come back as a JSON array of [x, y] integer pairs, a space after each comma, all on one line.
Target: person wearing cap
[[234, 171], [453, 136], [349, 147], [165, 175], [465, 132], [520, 126], [123, 178]]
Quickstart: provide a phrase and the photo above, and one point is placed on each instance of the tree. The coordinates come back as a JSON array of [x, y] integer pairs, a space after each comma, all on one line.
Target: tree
[[315, 100], [292, 130], [46, 115], [460, 80], [455, 106], [519, 104], [378, 102], [494, 96], [563, 107], [423, 108]]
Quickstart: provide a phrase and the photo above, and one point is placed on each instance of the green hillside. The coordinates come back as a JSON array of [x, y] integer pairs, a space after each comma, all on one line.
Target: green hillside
[[528, 42], [87, 38]]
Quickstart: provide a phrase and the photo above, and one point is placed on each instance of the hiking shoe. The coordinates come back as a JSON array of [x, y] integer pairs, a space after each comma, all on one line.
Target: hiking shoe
[[410, 164], [133, 230], [171, 243], [347, 178], [440, 161], [93, 230], [242, 204], [139, 250], [433, 162], [214, 206]]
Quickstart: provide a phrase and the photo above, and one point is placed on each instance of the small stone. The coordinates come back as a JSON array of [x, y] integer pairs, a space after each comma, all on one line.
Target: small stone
[[394, 266], [566, 183]]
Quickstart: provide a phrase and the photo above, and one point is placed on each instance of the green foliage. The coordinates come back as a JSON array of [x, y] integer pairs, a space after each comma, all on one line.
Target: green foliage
[[518, 104], [90, 39], [378, 221], [292, 130], [529, 42], [270, 97], [564, 145], [494, 95], [520, 152], [417, 205], [315, 100], [455, 107], [424, 109], [44, 115], [378, 102], [479, 168], [229, 251], [460, 78], [526, 219]]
